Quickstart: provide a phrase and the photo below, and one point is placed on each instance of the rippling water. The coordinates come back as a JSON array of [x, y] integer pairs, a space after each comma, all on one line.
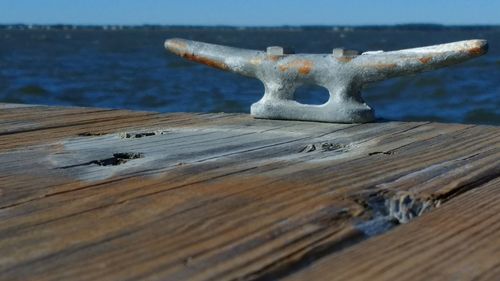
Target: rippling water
[[130, 69]]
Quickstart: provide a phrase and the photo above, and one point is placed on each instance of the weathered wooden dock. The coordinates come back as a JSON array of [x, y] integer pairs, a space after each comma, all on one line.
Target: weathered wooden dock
[[98, 194]]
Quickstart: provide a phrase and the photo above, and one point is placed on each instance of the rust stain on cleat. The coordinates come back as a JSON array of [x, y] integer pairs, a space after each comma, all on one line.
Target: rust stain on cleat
[[302, 66], [425, 60], [343, 73], [207, 61]]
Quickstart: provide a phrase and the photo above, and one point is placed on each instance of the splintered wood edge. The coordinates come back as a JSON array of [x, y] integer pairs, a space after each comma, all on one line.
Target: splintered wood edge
[[459, 240]]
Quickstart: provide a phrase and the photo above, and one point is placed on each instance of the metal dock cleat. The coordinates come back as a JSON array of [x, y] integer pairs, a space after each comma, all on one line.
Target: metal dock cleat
[[343, 73]]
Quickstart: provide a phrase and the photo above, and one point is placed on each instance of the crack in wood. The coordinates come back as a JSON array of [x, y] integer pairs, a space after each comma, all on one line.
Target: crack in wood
[[90, 134], [325, 147], [388, 213], [117, 159], [139, 135], [381, 152]]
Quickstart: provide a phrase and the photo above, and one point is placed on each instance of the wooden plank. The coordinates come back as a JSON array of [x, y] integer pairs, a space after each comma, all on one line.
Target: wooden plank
[[214, 196], [459, 241]]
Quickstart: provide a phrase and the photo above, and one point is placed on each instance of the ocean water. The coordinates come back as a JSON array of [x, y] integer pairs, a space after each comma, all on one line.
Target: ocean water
[[130, 69]]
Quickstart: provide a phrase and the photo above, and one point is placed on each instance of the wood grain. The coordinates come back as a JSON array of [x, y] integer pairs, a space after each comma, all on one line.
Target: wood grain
[[460, 241], [216, 196]]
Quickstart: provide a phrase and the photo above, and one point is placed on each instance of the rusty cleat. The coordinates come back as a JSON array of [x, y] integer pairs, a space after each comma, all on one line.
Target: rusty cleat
[[343, 73]]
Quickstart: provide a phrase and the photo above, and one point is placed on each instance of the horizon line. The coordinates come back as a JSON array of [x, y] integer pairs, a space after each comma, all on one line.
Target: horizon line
[[252, 26]]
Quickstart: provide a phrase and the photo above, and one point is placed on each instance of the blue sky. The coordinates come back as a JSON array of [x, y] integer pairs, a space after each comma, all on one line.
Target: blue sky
[[250, 12]]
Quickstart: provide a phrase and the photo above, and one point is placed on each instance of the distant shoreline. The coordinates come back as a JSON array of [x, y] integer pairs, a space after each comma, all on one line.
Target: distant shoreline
[[228, 27]]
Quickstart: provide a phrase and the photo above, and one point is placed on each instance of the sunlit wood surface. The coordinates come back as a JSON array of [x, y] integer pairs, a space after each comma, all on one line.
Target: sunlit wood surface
[[99, 194]]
